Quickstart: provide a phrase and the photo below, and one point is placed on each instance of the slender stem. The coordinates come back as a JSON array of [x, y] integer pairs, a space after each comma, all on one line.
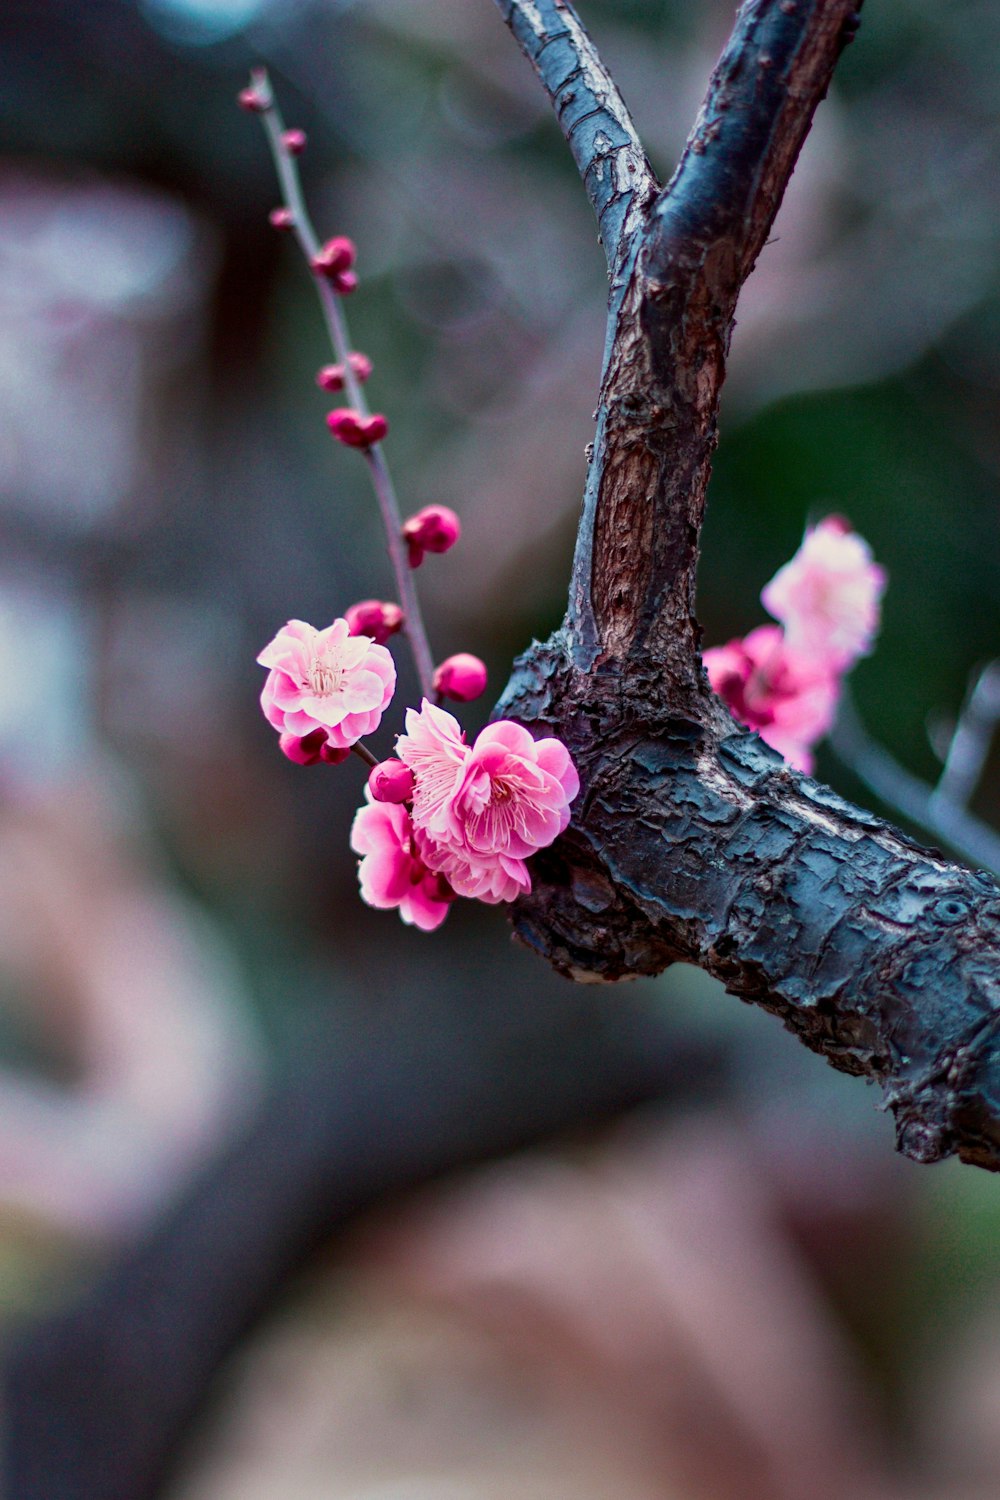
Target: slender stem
[[336, 322], [363, 752], [971, 740], [947, 820]]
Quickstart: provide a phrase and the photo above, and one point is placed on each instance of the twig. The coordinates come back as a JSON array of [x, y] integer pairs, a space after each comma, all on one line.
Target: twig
[[592, 114], [970, 741], [921, 804], [336, 322]]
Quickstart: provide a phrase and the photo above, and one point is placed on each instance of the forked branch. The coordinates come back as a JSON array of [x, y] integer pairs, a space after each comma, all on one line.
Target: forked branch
[[692, 840]]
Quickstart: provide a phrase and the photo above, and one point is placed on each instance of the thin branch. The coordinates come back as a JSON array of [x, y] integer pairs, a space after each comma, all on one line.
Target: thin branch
[[970, 742], [592, 114], [943, 817], [336, 322], [634, 572]]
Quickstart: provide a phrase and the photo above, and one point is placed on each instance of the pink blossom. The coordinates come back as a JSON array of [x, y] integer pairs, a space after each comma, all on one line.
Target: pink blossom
[[294, 141], [355, 431], [333, 378], [499, 878], [436, 528], [790, 699], [391, 781], [375, 617], [281, 218], [481, 811], [335, 257], [827, 596], [312, 750], [326, 679], [435, 750], [462, 677], [392, 872]]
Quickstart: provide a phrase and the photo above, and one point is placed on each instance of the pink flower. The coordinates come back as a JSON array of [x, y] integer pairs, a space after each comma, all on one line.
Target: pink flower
[[335, 257], [481, 811], [827, 596], [462, 677], [392, 872], [391, 781], [434, 748], [790, 699], [375, 617], [351, 428], [436, 528], [328, 680], [491, 880]]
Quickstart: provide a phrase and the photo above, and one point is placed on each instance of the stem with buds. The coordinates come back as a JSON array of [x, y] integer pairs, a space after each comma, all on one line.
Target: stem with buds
[[336, 322]]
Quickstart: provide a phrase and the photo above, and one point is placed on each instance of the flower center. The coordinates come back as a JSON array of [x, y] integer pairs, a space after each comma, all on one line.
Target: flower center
[[325, 679], [500, 792]]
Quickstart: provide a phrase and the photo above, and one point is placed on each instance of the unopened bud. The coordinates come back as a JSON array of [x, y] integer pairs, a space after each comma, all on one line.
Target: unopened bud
[[344, 283], [312, 749], [436, 528], [281, 218], [462, 677], [332, 377], [335, 258], [252, 100], [391, 781], [374, 617], [351, 428], [294, 141]]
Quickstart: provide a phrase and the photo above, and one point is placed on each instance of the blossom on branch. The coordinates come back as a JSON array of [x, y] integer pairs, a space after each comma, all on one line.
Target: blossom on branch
[[326, 680], [789, 699], [392, 872], [355, 431], [827, 596], [482, 810]]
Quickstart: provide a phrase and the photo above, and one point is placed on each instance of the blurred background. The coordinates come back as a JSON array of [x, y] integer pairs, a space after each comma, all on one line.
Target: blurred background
[[747, 1295]]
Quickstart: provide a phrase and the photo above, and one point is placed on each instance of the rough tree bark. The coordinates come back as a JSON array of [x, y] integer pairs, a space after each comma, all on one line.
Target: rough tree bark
[[691, 839]]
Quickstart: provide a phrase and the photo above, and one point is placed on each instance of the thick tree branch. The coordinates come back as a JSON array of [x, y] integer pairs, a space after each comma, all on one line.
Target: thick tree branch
[[592, 113], [692, 840]]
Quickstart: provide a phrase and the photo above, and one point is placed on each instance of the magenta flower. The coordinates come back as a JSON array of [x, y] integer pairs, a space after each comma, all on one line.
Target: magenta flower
[[827, 596], [326, 680], [392, 872], [788, 698], [481, 811], [462, 677]]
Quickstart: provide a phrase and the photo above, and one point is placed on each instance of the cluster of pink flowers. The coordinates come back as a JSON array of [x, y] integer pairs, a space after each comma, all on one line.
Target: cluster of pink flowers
[[446, 818], [465, 818], [784, 680]]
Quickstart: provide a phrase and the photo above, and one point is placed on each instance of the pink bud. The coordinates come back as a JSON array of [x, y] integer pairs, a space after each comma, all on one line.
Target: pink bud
[[350, 427], [335, 258], [252, 100], [462, 677], [331, 377], [344, 283], [294, 141], [436, 528], [281, 218], [374, 617], [391, 781], [312, 749]]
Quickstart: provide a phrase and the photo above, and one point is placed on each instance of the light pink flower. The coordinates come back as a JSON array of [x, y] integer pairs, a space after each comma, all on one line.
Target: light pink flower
[[827, 597], [481, 811], [326, 679], [493, 879], [788, 698], [392, 872], [434, 748]]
